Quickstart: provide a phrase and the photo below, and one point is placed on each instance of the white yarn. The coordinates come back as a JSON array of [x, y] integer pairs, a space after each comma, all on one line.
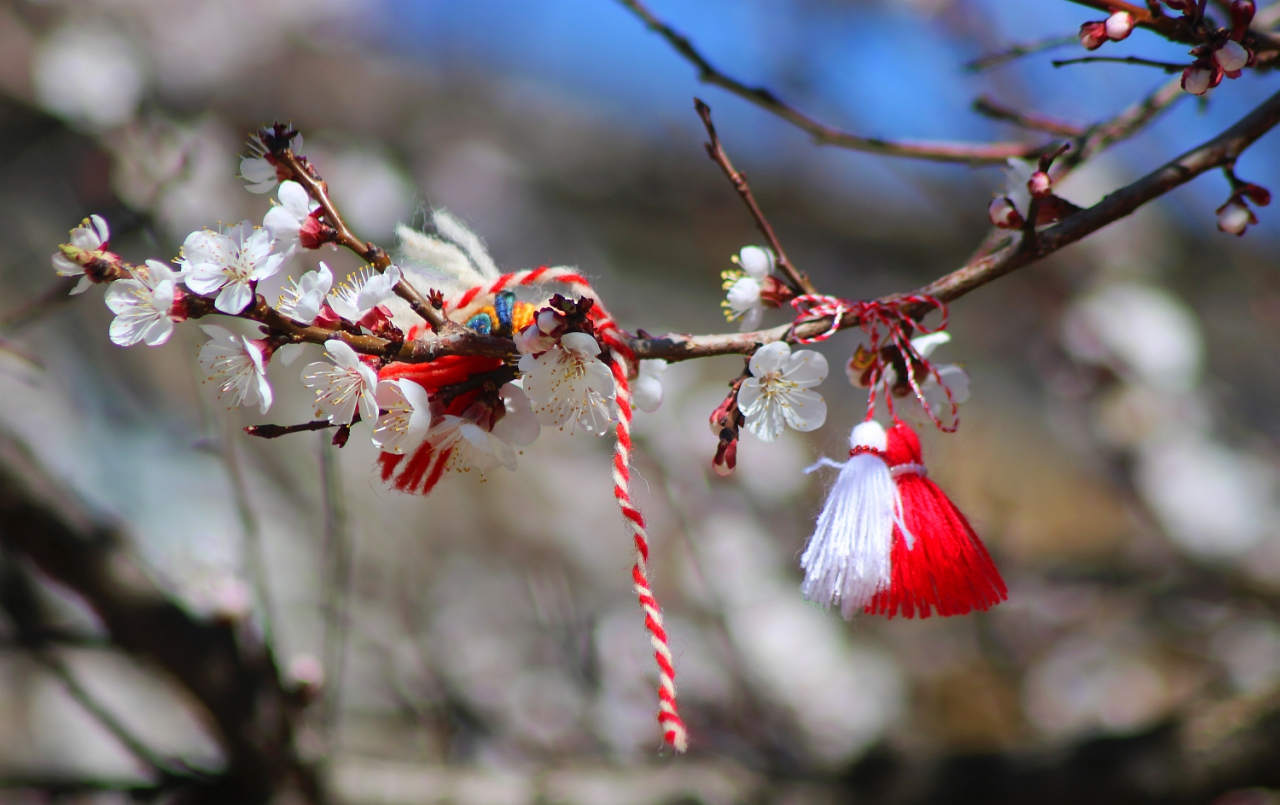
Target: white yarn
[[847, 559], [440, 263], [456, 231]]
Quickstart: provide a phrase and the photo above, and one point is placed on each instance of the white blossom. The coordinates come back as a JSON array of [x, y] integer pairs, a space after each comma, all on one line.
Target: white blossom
[[469, 446], [570, 386], [229, 262], [646, 391], [343, 385], [258, 171], [362, 292], [236, 364], [285, 220], [304, 297], [743, 300], [408, 414], [778, 392], [93, 235], [142, 305]]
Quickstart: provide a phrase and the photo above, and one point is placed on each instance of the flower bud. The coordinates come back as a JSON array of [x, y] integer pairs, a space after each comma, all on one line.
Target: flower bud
[[1234, 217], [1093, 34], [1197, 80], [1119, 25], [756, 261], [1003, 214], [1231, 56], [1257, 193], [1241, 15], [1040, 184]]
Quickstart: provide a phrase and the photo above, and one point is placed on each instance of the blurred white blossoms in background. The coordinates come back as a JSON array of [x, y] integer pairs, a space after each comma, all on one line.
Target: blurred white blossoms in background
[[304, 297], [229, 262], [88, 240], [745, 286], [778, 392], [343, 385], [570, 385], [464, 444], [363, 291], [291, 219], [408, 413], [1142, 331], [142, 305], [237, 365], [88, 75], [646, 390]]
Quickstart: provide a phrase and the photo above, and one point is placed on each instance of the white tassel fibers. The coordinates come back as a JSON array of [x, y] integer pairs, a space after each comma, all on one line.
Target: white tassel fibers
[[847, 559]]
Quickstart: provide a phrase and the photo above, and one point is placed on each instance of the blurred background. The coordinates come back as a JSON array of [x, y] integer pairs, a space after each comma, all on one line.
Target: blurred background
[[1118, 454]]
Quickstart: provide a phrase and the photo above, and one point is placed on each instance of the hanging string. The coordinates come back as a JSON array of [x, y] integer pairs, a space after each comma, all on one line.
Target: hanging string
[[884, 322]]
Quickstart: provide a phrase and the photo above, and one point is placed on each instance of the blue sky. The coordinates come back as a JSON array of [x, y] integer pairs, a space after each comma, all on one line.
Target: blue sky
[[879, 69]]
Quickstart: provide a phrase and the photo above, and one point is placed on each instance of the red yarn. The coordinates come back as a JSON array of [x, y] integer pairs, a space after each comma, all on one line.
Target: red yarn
[[945, 569]]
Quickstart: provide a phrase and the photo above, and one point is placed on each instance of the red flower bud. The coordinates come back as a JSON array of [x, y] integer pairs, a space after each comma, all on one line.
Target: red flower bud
[[1257, 193], [1003, 214], [1040, 184], [1242, 12], [1093, 34]]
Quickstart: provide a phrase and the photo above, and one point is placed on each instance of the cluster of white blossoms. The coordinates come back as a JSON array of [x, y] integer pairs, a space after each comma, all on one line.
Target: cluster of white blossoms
[[564, 378]]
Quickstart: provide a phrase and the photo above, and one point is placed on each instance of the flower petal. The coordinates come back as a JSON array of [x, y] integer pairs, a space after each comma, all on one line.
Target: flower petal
[[805, 410], [806, 368], [234, 297], [769, 358]]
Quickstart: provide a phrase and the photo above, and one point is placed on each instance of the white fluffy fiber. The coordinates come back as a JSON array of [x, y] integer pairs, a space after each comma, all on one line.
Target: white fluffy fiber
[[453, 262], [847, 559]]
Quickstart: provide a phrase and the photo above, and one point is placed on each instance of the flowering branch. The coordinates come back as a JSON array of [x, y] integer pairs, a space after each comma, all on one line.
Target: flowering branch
[[968, 153], [1216, 153], [304, 174]]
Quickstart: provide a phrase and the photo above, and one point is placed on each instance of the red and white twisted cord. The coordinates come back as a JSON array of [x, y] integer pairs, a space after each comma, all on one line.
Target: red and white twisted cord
[[673, 729], [522, 279]]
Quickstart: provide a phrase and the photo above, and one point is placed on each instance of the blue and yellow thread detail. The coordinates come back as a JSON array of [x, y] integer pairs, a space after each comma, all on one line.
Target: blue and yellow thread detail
[[504, 317]]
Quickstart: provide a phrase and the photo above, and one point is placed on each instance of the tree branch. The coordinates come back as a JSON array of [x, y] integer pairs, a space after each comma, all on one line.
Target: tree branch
[[231, 675], [1220, 151], [967, 153], [799, 280], [371, 253]]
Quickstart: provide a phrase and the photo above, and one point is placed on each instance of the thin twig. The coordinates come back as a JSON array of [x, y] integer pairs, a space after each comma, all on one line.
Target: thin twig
[[371, 253], [969, 153], [276, 431], [1167, 66], [170, 767], [987, 107], [799, 280], [1018, 51]]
